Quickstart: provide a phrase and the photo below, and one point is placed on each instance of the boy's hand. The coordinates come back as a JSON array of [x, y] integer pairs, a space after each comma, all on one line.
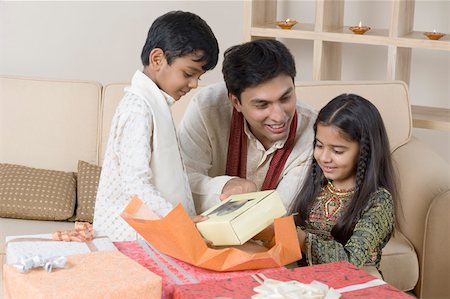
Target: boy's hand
[[237, 186]]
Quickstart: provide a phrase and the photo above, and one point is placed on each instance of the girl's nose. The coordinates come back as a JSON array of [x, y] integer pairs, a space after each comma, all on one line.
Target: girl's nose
[[325, 155]]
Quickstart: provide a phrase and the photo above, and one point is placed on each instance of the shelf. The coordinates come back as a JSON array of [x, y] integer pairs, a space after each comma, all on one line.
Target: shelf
[[431, 118], [344, 35], [329, 33]]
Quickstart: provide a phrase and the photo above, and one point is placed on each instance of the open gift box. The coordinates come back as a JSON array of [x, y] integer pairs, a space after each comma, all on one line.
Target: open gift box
[[176, 236]]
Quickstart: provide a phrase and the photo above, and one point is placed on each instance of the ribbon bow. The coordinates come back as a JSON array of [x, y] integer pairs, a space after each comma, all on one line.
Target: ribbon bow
[[25, 264], [83, 232], [275, 289]]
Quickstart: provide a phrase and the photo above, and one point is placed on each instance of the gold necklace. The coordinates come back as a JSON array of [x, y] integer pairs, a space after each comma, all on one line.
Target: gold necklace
[[339, 195]]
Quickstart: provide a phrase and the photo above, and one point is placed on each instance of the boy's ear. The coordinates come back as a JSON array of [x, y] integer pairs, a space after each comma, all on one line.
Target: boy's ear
[[156, 58], [235, 102]]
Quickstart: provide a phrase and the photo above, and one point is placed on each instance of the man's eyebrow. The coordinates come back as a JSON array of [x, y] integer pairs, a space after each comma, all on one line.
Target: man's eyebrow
[[259, 100]]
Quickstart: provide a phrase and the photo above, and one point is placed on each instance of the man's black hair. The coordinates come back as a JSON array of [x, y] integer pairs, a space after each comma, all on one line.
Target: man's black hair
[[256, 62]]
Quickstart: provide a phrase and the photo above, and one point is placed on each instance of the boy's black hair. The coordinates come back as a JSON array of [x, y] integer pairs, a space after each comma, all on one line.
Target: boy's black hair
[[180, 33], [256, 62]]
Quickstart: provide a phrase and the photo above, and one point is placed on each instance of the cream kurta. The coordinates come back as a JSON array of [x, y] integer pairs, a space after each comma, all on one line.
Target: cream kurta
[[142, 158], [204, 134]]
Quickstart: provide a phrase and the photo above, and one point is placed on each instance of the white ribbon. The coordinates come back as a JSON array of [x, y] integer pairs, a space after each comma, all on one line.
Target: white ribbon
[[25, 263], [275, 289]]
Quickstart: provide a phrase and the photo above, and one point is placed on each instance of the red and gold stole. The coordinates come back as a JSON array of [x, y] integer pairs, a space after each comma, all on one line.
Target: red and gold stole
[[237, 152]]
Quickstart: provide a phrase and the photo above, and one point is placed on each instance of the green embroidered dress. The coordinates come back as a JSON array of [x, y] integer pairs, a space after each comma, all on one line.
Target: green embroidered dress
[[371, 233]]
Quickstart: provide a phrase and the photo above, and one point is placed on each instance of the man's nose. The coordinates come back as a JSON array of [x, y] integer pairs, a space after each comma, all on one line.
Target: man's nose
[[277, 113]]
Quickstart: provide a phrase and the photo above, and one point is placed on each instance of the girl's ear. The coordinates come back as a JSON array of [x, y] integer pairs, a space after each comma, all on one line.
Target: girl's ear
[[235, 102], [156, 58]]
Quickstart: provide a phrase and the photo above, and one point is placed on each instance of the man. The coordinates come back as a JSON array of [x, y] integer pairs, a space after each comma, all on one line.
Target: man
[[250, 133]]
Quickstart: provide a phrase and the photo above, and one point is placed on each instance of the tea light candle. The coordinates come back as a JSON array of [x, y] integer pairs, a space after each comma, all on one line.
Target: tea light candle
[[360, 29], [434, 35], [286, 24]]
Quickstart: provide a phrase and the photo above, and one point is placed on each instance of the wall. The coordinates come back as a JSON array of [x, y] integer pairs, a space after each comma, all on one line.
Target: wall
[[102, 41]]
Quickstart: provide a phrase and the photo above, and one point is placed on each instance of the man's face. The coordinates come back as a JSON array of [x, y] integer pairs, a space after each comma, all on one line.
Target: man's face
[[268, 109]]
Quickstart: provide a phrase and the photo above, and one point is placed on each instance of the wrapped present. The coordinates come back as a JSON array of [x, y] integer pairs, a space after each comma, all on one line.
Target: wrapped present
[[46, 246], [177, 236], [102, 274], [175, 272], [341, 277]]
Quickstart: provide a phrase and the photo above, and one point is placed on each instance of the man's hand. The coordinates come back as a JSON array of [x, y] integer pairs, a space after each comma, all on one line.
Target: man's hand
[[198, 218], [237, 186]]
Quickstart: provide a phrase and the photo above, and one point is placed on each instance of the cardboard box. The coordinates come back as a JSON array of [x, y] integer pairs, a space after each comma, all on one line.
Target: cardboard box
[[45, 246], [102, 274], [241, 217]]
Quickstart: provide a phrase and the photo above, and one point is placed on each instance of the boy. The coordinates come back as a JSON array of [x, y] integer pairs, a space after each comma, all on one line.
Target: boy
[[142, 156]]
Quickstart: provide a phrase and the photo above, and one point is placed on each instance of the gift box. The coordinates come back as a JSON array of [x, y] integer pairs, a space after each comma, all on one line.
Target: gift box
[[176, 235], [343, 277], [240, 217], [44, 245], [102, 274], [175, 272]]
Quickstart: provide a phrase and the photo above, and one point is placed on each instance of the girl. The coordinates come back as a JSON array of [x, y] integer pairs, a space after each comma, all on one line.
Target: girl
[[346, 208]]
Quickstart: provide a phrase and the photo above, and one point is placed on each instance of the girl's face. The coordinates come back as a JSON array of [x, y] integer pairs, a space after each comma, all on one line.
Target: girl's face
[[337, 156]]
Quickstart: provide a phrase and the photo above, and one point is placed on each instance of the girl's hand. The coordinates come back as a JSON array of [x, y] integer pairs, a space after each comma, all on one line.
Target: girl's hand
[[301, 234]]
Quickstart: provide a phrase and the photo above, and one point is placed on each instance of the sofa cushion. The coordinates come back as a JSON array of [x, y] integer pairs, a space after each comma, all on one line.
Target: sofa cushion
[[57, 119], [87, 183], [399, 263], [32, 193]]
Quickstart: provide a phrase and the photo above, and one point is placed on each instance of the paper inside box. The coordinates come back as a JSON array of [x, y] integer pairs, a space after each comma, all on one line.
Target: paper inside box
[[241, 217]]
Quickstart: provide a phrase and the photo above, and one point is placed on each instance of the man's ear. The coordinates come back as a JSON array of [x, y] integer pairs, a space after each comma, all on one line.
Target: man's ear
[[156, 58], [235, 102]]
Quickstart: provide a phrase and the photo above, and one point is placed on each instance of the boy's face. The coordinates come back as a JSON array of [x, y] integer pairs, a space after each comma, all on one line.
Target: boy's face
[[268, 109], [180, 77]]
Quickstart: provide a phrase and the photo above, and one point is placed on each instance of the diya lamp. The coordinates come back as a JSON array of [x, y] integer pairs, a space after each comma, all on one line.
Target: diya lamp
[[360, 29], [434, 35], [286, 24]]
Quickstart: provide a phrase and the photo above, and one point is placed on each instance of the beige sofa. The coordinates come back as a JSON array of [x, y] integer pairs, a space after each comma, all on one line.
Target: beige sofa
[[52, 124]]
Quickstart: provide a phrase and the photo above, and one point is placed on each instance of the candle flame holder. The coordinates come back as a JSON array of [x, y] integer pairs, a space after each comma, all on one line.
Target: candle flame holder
[[434, 35], [359, 29], [287, 24]]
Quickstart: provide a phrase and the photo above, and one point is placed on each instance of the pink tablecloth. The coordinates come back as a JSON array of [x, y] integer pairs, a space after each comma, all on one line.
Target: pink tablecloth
[[336, 275], [175, 272]]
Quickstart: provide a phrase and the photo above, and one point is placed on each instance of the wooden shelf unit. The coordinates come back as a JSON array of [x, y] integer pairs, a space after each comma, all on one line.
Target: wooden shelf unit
[[328, 33]]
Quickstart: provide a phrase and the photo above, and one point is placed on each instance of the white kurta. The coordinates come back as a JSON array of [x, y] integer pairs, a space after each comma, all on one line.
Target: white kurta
[[142, 158]]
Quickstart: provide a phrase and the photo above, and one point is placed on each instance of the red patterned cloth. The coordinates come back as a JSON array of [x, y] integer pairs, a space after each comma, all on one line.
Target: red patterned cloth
[[336, 275], [237, 152], [175, 272]]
